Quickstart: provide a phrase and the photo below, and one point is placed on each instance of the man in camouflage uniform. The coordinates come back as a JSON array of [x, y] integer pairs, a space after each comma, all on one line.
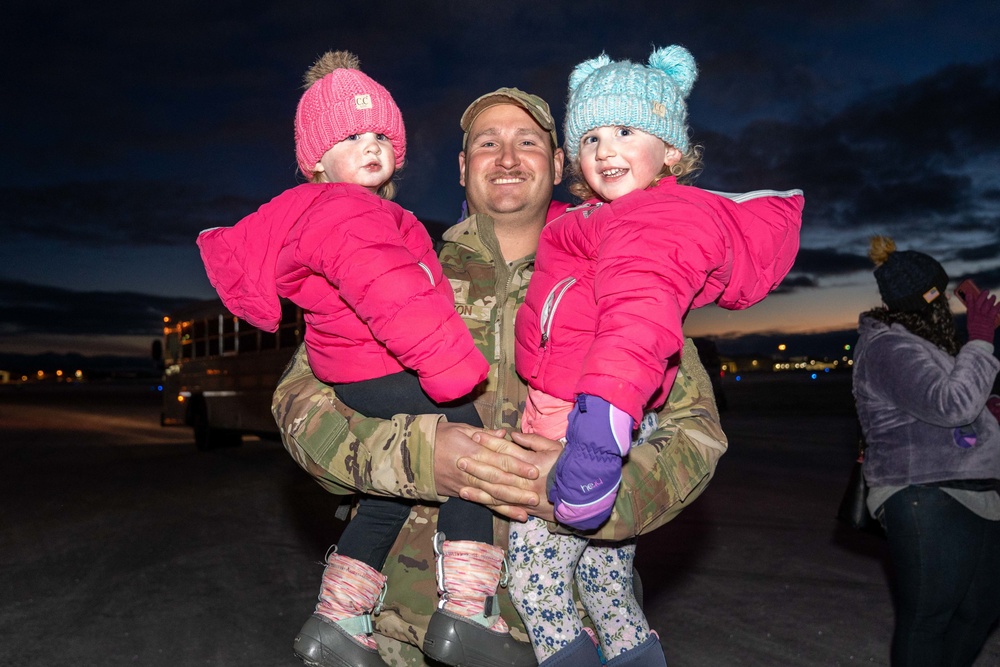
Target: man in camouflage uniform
[[509, 165]]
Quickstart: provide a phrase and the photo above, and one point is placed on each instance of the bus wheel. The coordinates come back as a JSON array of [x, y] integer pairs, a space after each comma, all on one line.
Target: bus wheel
[[207, 438]]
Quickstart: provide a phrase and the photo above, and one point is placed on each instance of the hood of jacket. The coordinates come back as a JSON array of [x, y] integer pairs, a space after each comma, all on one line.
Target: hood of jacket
[[241, 261]]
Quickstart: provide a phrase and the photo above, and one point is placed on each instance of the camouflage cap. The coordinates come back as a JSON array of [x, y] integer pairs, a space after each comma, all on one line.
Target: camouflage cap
[[533, 104]]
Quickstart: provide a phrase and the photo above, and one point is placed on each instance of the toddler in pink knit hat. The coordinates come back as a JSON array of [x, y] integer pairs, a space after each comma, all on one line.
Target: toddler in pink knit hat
[[381, 327]]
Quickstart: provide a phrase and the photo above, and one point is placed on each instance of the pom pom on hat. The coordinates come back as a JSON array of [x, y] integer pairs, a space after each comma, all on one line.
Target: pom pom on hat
[[339, 101], [907, 280], [677, 63], [650, 98], [585, 69]]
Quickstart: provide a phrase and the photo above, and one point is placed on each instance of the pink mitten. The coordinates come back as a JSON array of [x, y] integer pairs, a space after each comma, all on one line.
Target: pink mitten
[[981, 321], [993, 405]]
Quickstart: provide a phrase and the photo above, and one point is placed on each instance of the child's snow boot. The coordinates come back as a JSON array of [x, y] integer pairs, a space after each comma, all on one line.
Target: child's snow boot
[[647, 654], [581, 652], [466, 629], [339, 633]]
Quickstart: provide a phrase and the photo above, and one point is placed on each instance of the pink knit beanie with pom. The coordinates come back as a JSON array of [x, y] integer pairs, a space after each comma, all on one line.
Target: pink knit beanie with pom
[[340, 101]]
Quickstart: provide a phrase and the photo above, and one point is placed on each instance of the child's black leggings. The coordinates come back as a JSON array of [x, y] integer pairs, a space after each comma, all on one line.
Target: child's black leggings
[[371, 533]]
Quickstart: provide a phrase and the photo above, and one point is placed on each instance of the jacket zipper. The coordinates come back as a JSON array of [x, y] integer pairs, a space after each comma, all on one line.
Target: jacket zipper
[[547, 315], [427, 270], [593, 205]]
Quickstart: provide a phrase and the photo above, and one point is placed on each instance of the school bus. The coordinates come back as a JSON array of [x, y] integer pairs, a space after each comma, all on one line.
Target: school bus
[[219, 372]]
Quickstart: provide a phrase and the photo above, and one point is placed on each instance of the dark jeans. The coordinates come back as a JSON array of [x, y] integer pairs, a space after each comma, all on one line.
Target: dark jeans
[[946, 563], [375, 526]]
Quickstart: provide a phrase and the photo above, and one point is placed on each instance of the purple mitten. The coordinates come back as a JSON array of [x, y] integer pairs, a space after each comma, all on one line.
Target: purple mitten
[[589, 470]]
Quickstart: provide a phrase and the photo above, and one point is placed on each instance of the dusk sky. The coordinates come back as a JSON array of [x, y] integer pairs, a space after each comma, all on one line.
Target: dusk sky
[[130, 127]]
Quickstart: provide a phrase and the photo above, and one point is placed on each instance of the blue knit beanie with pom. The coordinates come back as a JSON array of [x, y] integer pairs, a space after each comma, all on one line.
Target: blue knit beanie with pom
[[651, 99]]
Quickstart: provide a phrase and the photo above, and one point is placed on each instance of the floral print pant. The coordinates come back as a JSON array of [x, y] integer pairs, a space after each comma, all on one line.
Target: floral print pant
[[543, 566]]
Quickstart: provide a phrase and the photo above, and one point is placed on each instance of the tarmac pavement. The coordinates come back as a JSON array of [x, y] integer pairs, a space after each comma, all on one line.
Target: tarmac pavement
[[120, 544]]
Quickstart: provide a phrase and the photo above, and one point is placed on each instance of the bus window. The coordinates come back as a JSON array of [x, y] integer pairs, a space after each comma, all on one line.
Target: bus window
[[187, 342], [199, 329], [247, 337], [228, 334], [172, 347]]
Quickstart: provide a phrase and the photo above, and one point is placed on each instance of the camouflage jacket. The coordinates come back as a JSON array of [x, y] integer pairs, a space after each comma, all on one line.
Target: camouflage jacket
[[347, 453]]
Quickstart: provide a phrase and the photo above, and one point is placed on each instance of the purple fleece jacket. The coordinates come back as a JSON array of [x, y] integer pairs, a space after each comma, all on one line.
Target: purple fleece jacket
[[922, 410]]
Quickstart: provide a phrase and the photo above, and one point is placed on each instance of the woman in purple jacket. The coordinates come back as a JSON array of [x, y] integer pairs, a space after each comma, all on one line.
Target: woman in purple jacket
[[933, 456]]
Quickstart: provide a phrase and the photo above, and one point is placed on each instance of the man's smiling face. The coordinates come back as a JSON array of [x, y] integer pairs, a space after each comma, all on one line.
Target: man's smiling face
[[508, 166]]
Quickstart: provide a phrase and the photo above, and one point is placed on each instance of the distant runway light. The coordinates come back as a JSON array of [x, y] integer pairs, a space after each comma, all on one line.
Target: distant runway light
[[813, 376]]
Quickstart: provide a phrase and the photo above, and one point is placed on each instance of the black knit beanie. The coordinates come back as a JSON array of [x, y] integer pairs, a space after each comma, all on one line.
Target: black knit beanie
[[907, 280]]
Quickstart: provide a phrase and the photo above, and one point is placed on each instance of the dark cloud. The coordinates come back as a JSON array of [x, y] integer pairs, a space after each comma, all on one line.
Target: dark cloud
[[812, 265], [949, 113], [905, 157], [923, 193], [909, 157], [829, 262], [793, 282], [127, 214], [36, 309], [989, 250], [985, 279]]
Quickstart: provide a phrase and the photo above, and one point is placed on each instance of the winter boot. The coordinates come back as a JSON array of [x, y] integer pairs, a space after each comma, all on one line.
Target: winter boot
[[581, 652], [339, 633], [647, 654], [466, 629]]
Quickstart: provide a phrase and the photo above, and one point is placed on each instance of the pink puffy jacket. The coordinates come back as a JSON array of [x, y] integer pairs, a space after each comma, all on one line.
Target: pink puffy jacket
[[614, 281], [364, 271]]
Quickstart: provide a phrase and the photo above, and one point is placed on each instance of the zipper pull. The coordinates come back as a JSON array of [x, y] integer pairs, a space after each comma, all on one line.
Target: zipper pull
[[542, 351]]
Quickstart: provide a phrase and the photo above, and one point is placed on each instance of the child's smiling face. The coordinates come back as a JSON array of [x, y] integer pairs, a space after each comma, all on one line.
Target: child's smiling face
[[615, 160]]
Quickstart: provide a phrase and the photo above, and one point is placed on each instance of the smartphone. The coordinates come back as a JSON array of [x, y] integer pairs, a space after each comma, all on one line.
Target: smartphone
[[966, 291]]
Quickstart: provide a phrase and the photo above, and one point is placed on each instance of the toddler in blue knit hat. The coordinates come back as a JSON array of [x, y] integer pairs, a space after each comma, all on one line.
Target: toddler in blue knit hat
[[600, 334]]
